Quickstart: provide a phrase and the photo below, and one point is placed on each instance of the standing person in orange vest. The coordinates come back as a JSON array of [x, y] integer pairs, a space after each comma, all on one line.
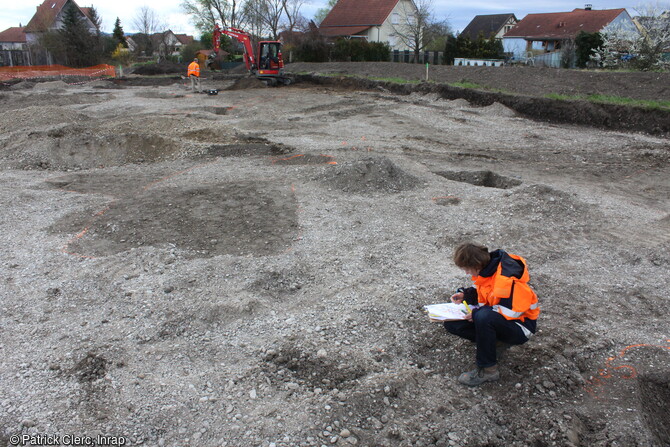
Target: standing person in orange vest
[[504, 308], [194, 74]]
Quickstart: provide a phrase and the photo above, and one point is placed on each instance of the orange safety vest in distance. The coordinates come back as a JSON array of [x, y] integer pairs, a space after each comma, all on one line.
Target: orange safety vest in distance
[[193, 69], [507, 290]]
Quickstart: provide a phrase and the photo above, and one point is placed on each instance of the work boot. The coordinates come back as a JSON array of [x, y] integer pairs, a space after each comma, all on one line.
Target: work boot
[[479, 376]]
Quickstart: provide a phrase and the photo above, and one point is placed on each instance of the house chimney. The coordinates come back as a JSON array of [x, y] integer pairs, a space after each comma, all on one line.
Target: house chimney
[[588, 6]]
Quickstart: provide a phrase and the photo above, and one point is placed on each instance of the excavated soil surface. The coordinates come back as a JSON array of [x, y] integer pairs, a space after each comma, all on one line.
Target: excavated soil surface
[[577, 111], [534, 81], [250, 268]]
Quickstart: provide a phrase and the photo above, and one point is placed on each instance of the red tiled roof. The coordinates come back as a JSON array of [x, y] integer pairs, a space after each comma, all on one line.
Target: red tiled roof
[[562, 25], [14, 34], [332, 31], [46, 14], [86, 11], [358, 13], [185, 39]]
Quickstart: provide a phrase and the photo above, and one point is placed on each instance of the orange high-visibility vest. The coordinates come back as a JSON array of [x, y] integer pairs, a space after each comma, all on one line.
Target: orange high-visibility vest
[[194, 69], [509, 296]]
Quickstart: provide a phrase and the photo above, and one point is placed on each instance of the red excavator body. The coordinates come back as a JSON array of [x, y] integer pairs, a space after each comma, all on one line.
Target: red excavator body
[[267, 64]]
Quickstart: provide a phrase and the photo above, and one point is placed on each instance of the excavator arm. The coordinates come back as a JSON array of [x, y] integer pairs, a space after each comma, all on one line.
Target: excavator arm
[[267, 64], [243, 37]]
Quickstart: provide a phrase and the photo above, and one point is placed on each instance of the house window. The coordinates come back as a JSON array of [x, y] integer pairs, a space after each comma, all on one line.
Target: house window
[[410, 20], [392, 40], [395, 19]]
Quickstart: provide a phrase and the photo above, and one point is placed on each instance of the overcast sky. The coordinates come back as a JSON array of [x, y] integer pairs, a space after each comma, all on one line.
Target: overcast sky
[[457, 13]]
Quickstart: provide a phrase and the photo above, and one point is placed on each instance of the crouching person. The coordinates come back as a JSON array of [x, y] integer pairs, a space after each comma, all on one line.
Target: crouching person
[[507, 312]]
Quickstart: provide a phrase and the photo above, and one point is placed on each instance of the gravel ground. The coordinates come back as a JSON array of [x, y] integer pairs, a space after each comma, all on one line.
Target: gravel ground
[[249, 269]]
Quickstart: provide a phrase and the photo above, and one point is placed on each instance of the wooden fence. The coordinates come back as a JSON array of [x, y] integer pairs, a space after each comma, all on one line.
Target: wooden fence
[[423, 57]]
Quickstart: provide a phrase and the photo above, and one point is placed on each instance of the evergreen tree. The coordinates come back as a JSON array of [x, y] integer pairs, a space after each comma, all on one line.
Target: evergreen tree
[[450, 50], [586, 43], [118, 35], [96, 19], [491, 48], [79, 44], [96, 38], [463, 46]]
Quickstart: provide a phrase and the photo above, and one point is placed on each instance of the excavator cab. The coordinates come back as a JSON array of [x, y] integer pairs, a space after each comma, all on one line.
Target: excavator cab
[[270, 57]]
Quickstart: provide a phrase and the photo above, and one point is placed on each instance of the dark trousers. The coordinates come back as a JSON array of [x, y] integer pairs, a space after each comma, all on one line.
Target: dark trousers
[[487, 327]]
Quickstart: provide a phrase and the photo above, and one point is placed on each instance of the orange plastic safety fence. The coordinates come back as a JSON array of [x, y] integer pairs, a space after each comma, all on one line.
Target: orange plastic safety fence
[[42, 71]]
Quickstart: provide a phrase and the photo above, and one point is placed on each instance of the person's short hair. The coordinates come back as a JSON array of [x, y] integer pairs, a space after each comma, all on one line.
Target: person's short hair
[[471, 255]]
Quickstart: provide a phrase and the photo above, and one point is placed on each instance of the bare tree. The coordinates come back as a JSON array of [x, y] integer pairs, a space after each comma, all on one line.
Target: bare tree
[[412, 22], [292, 14], [265, 14], [207, 13], [146, 22]]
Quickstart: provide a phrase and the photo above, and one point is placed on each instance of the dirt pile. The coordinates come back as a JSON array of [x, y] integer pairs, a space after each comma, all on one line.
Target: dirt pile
[[371, 175], [247, 82], [164, 67], [72, 146]]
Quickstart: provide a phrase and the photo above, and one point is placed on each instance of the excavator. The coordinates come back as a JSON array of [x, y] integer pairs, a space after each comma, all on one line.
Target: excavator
[[267, 64]]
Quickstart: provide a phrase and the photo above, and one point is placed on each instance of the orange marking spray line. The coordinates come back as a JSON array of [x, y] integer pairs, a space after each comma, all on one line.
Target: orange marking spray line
[[287, 158], [83, 232], [604, 374]]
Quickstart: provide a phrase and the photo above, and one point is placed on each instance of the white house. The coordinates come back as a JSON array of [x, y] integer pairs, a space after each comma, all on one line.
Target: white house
[[48, 17], [390, 21], [542, 33]]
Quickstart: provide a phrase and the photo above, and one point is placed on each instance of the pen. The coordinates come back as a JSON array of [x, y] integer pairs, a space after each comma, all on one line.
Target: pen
[[467, 307]]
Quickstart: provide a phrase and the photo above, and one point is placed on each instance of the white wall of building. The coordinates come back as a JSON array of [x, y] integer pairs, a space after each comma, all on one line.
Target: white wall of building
[[404, 12], [623, 22], [516, 46]]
